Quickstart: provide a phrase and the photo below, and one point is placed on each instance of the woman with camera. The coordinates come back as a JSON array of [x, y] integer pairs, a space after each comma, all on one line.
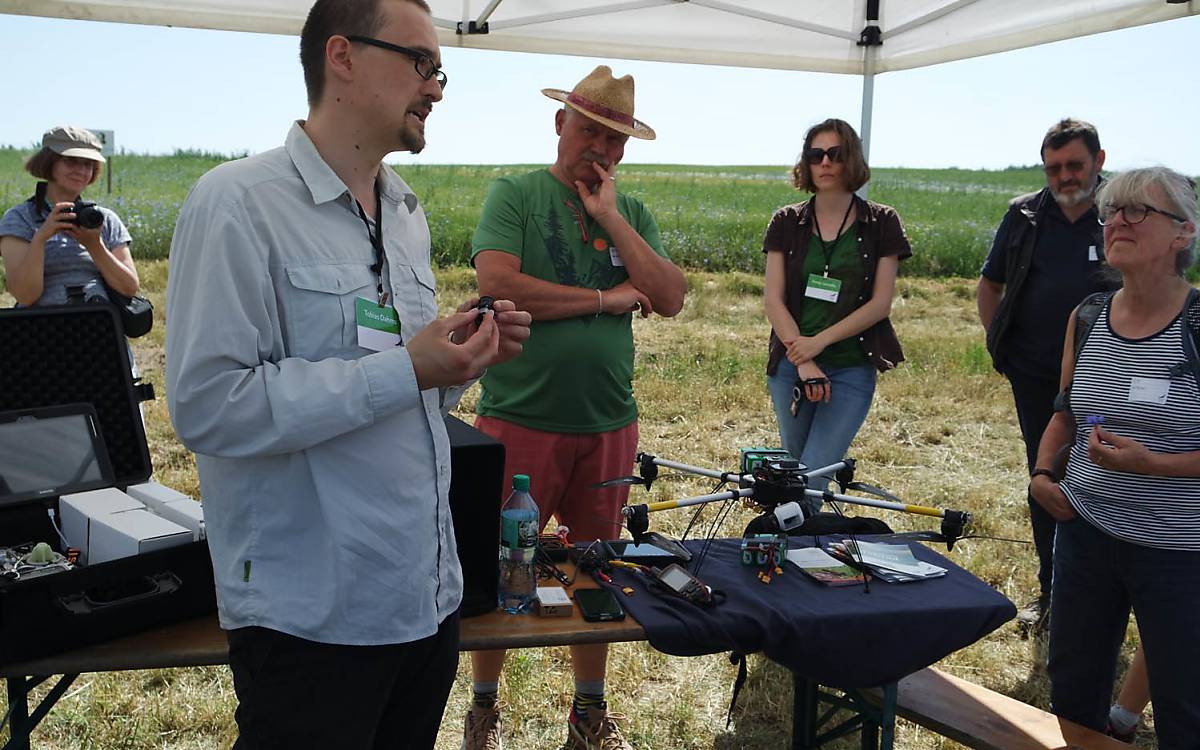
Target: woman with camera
[[1128, 506], [54, 240], [831, 275]]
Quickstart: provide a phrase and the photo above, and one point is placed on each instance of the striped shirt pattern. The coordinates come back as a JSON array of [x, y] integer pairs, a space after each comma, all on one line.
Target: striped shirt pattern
[[1147, 510]]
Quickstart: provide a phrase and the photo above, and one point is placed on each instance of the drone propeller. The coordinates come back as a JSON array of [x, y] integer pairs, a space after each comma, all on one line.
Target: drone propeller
[[873, 490], [621, 482]]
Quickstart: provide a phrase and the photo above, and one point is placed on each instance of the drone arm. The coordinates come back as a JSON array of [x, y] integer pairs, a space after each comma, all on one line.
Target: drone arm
[[685, 502], [920, 510], [724, 476]]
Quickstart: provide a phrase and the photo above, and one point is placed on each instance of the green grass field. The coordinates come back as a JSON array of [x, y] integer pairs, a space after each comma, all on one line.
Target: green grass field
[[941, 432], [711, 218]]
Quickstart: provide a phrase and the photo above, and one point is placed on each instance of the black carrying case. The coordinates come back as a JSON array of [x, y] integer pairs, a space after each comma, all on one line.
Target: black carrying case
[[77, 354]]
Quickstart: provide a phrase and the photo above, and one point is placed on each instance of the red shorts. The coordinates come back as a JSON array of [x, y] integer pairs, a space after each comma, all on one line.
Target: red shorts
[[563, 467]]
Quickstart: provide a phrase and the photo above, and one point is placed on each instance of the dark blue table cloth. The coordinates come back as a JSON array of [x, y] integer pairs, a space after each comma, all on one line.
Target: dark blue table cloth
[[836, 636]]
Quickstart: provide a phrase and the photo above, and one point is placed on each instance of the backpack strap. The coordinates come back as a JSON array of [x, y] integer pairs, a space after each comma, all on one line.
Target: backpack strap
[[1085, 317], [1191, 325]]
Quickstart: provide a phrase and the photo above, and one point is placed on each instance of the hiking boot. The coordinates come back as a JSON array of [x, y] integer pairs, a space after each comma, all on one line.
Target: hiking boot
[[481, 728], [598, 732], [1034, 617]]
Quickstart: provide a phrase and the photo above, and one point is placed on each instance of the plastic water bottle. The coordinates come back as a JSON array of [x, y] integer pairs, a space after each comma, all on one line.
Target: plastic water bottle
[[519, 519]]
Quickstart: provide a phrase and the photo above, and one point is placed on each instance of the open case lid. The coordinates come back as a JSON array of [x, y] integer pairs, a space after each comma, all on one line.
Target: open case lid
[[51, 451], [75, 354]]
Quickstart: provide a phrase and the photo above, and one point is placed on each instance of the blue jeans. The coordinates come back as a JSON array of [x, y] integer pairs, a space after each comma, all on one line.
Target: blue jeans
[[820, 433], [1097, 579]]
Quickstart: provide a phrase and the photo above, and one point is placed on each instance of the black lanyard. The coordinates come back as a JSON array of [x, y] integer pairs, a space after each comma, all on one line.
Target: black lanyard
[[827, 247], [376, 241]]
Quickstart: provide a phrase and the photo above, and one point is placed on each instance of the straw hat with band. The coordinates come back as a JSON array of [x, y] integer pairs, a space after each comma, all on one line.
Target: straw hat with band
[[68, 140], [607, 100]]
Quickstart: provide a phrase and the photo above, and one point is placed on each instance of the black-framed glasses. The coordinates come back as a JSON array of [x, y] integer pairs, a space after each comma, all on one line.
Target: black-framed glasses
[[816, 155], [1073, 166], [426, 67], [1135, 213]]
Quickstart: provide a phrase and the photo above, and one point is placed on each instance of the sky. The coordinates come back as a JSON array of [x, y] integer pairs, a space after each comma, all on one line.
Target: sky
[[161, 89]]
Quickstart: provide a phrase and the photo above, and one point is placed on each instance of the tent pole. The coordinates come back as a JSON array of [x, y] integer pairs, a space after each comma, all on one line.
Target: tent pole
[[870, 39], [868, 103]]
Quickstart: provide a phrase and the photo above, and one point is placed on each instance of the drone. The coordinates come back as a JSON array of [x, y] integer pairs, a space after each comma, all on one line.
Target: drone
[[776, 487]]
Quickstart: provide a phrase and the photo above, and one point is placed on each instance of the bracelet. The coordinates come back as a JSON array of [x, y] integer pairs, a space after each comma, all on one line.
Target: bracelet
[[1043, 472], [599, 303]]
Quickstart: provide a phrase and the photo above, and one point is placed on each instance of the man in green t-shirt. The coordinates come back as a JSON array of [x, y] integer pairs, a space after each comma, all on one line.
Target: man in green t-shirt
[[563, 244]]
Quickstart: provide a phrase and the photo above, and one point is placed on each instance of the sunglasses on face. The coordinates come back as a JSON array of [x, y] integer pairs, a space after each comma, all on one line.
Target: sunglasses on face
[[426, 67], [1053, 170], [816, 155]]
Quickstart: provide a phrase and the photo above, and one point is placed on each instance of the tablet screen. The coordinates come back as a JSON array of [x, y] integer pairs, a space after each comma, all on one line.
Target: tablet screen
[[50, 452]]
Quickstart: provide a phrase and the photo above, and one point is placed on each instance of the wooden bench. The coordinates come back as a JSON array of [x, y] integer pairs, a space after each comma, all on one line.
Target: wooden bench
[[986, 720]]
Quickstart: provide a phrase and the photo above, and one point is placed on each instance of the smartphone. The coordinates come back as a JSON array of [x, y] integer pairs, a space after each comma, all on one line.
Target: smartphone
[[599, 605]]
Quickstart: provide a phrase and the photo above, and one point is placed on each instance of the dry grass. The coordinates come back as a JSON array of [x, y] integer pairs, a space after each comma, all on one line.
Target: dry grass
[[942, 432]]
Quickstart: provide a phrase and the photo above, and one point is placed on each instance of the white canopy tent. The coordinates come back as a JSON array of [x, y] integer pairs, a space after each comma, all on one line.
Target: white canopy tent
[[862, 37]]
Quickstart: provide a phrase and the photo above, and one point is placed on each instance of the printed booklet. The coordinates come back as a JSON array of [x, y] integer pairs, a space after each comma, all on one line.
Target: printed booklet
[[815, 562]]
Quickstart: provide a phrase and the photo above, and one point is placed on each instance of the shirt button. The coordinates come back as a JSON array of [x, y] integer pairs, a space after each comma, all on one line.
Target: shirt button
[[442, 471]]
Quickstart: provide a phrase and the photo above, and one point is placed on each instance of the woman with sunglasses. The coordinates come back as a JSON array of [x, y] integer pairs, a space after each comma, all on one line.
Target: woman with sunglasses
[[46, 246], [831, 275], [1128, 506]]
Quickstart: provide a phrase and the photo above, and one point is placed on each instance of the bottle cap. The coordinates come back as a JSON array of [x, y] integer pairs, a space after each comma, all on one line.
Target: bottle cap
[[521, 482]]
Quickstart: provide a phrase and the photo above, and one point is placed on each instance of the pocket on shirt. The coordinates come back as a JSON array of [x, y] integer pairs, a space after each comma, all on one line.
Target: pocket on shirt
[[319, 307], [416, 300]]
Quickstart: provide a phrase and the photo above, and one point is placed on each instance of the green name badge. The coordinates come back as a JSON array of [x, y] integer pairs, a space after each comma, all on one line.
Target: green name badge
[[378, 325], [823, 288]]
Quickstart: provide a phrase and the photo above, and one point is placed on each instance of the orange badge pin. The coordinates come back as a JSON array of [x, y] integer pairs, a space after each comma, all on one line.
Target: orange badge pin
[[600, 244]]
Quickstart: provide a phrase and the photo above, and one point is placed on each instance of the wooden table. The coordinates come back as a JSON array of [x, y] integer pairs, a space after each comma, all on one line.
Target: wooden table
[[201, 642]]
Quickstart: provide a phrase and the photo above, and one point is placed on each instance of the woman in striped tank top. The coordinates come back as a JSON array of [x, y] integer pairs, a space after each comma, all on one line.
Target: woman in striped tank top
[[1128, 507]]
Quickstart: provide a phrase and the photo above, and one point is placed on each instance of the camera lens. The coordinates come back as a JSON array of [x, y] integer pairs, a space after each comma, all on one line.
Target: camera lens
[[88, 216]]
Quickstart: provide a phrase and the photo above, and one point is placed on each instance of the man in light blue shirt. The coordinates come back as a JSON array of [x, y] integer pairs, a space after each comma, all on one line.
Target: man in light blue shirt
[[324, 465]]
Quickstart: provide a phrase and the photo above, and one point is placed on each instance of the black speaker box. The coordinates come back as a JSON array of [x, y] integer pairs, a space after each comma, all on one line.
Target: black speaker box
[[476, 484]]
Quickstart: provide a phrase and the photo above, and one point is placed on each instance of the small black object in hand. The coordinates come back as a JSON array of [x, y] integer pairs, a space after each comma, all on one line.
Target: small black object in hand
[[798, 391], [485, 303]]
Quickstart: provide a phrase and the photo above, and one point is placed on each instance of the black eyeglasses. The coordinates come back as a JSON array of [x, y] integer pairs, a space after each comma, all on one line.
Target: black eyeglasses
[[1052, 170], [426, 67], [1135, 213], [816, 155]]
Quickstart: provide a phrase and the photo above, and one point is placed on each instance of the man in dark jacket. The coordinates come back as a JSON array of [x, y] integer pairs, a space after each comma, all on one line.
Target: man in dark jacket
[[1046, 257]]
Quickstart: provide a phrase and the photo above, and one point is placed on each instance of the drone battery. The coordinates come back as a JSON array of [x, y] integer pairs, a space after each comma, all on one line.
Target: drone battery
[[553, 602], [752, 458]]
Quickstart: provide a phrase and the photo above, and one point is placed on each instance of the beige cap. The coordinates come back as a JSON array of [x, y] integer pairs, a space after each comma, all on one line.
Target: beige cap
[[69, 140]]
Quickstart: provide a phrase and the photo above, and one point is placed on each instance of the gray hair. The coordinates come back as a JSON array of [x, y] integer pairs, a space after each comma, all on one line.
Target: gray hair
[[1135, 186]]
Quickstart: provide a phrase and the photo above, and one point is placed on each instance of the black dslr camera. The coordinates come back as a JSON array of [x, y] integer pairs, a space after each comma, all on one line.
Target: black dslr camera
[[87, 215]]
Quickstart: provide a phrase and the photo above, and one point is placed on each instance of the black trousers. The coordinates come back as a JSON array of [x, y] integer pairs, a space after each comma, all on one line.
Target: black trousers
[[1034, 398], [298, 694]]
